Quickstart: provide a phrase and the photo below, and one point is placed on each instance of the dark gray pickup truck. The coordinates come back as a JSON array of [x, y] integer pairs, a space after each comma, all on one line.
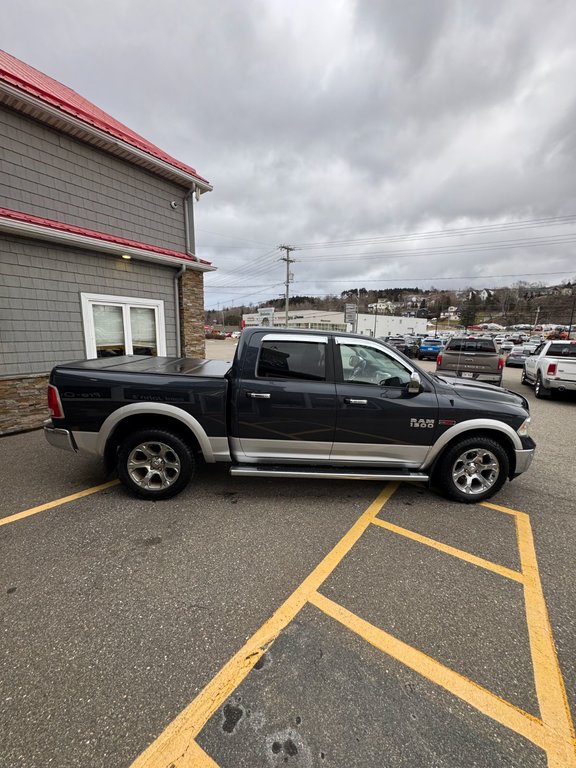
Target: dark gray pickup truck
[[290, 404]]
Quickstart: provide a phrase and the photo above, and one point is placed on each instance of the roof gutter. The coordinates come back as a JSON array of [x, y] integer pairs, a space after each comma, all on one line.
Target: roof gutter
[[53, 116], [38, 232]]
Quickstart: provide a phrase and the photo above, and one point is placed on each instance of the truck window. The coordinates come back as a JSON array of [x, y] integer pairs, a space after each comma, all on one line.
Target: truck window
[[367, 365], [562, 350], [292, 360]]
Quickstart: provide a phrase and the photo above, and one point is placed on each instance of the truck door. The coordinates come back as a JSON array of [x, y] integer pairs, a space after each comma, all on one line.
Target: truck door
[[285, 405], [378, 420]]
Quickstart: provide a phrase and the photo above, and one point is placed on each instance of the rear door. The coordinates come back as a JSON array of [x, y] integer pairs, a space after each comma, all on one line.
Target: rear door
[[378, 421], [285, 405]]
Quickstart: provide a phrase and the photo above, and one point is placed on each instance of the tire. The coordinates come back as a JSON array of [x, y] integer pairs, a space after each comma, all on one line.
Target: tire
[[473, 469], [155, 464], [523, 378], [540, 390]]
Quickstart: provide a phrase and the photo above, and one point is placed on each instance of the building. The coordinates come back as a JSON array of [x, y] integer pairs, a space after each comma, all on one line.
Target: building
[[365, 324], [97, 253]]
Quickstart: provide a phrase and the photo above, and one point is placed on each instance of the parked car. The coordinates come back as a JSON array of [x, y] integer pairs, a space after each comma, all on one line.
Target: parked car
[[517, 356], [429, 349], [412, 345], [398, 342], [551, 368], [292, 404], [506, 345], [471, 358]]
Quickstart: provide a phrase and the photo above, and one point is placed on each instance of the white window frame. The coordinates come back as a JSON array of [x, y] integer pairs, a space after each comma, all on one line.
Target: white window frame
[[88, 300]]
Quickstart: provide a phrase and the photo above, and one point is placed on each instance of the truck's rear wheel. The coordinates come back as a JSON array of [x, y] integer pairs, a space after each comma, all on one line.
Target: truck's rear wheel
[[540, 390], [155, 464], [473, 469]]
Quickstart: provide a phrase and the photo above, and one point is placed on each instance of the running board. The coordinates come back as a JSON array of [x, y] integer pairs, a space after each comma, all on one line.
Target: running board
[[325, 473]]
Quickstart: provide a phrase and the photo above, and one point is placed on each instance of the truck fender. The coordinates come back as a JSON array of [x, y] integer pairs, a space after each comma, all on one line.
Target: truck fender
[[159, 409], [469, 428]]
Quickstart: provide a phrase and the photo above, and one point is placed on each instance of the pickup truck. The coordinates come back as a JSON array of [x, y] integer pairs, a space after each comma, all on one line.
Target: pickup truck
[[471, 358], [551, 368], [291, 404]]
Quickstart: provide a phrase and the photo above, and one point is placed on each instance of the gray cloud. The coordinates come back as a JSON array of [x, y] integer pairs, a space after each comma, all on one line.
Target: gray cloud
[[338, 120]]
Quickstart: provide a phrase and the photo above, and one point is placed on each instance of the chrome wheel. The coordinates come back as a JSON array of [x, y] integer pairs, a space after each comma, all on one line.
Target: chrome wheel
[[475, 471], [153, 466]]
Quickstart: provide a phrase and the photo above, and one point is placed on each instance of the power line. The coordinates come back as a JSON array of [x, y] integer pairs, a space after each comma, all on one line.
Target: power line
[[453, 232], [432, 278], [494, 245]]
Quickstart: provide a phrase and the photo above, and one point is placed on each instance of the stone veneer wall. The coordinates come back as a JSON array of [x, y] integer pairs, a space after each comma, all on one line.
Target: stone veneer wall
[[23, 402], [191, 299]]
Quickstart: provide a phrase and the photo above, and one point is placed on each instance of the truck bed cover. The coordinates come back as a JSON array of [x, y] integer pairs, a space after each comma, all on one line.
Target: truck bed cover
[[169, 366]]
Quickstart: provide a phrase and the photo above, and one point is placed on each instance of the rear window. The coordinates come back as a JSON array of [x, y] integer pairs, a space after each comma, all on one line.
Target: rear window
[[471, 345], [292, 360], [562, 350], [432, 342]]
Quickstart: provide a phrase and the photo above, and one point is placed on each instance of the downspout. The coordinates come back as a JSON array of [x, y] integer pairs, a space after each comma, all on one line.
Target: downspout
[[190, 248], [177, 277]]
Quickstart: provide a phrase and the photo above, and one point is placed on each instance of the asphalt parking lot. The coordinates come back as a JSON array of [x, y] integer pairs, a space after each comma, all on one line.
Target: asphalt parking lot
[[259, 622]]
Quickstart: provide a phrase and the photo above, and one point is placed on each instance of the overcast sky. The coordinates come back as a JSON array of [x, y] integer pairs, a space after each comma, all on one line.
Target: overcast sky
[[380, 123]]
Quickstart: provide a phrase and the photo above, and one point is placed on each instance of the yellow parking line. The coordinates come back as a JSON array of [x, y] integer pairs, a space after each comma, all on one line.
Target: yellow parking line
[[172, 747], [447, 549], [478, 697], [197, 758], [550, 689], [548, 680], [57, 502]]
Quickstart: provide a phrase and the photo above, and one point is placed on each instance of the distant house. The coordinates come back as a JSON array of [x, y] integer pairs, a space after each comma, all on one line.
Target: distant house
[[97, 253]]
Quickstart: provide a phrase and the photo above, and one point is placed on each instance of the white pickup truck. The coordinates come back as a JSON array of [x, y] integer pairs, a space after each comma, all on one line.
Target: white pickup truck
[[551, 368]]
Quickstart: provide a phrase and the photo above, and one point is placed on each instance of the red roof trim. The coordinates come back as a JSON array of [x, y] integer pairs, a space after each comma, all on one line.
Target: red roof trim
[[83, 232], [50, 91]]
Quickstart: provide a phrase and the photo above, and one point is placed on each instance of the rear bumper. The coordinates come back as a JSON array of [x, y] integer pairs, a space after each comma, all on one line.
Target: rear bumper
[[488, 378], [559, 384], [59, 438]]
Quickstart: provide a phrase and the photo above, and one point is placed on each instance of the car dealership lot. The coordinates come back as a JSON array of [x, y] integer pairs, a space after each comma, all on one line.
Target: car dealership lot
[[408, 644]]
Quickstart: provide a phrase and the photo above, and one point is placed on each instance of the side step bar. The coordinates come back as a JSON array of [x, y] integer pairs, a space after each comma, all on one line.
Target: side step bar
[[325, 473]]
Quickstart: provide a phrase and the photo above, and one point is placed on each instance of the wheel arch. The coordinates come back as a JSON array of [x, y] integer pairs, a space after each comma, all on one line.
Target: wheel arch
[[131, 418], [502, 433]]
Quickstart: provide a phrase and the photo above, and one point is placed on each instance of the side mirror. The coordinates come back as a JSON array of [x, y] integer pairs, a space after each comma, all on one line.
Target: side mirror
[[414, 385]]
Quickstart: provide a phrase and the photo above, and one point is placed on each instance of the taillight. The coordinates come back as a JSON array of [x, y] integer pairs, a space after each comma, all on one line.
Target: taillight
[[500, 363], [54, 404], [551, 369], [439, 359]]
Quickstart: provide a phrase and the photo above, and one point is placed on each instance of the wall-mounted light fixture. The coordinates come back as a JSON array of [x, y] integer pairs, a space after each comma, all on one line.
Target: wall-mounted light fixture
[[126, 256]]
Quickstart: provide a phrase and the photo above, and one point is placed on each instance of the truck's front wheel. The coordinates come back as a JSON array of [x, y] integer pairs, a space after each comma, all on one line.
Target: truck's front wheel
[[473, 469], [155, 464]]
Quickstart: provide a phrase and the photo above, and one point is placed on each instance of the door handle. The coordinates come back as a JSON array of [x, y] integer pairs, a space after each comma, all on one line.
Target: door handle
[[259, 395], [355, 401]]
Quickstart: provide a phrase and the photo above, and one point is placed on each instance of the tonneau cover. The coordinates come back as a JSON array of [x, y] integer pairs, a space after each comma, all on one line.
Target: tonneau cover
[[170, 366]]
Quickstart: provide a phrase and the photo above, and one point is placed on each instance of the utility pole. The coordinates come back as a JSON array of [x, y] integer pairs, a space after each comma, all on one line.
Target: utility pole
[[288, 260]]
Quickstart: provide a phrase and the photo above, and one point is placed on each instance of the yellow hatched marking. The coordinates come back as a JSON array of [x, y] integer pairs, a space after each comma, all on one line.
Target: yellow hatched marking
[[460, 553], [57, 502], [172, 746], [478, 697]]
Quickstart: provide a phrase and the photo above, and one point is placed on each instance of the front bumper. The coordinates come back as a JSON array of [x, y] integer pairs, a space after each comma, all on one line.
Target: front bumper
[[59, 438], [524, 457]]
